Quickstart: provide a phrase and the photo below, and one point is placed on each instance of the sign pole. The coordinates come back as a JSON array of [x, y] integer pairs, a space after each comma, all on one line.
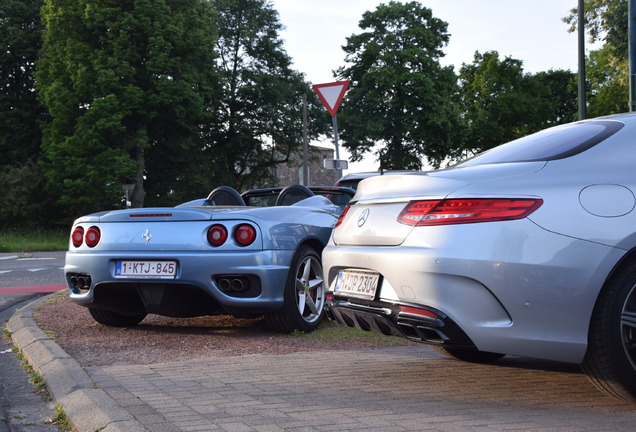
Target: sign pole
[[631, 13], [305, 144], [581, 74], [335, 140]]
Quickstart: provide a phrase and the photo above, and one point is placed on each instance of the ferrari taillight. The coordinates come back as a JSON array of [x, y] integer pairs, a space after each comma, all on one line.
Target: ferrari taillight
[[93, 236], [217, 235], [77, 236], [468, 210], [245, 234]]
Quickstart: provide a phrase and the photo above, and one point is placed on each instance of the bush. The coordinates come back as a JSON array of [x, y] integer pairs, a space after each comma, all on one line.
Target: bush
[[25, 202]]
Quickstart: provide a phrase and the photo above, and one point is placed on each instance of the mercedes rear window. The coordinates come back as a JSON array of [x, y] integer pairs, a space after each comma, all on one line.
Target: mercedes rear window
[[555, 143]]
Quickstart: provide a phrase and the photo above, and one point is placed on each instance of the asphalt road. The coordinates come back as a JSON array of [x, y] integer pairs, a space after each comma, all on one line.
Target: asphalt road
[[35, 269], [21, 409]]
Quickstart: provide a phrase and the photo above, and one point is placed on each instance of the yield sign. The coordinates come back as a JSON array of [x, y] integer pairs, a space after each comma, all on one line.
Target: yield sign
[[331, 94]]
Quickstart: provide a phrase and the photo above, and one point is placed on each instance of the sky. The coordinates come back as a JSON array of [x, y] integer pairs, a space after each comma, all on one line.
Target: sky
[[530, 31]]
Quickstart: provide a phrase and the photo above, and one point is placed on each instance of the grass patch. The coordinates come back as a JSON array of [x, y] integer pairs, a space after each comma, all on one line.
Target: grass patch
[[60, 419], [328, 330], [36, 380], [39, 386], [33, 240]]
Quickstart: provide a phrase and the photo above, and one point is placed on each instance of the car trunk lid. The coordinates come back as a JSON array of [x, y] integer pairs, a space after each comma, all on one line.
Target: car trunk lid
[[372, 218], [161, 214]]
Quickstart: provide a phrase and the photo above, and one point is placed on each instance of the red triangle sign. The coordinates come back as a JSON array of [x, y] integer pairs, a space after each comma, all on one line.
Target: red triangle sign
[[331, 94]]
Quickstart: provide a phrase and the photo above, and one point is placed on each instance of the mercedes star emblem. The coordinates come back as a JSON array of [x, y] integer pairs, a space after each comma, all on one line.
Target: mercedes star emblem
[[363, 217]]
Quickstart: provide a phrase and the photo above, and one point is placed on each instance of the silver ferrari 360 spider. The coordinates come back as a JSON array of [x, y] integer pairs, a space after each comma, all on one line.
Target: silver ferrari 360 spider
[[250, 254], [528, 249]]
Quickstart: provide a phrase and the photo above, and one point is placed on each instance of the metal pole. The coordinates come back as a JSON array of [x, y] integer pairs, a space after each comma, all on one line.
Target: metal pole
[[631, 13], [305, 144], [335, 139], [581, 34]]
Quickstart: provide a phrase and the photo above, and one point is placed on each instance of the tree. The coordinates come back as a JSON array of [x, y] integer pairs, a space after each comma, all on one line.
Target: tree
[[122, 80], [259, 110], [605, 20], [25, 204], [400, 98], [499, 102], [608, 84], [559, 89], [606, 68], [20, 113]]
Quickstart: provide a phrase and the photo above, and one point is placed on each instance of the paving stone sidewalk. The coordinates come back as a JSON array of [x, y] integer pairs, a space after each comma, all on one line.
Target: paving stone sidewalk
[[389, 389]]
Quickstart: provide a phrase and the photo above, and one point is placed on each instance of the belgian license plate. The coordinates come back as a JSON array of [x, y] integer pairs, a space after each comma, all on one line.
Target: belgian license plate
[[146, 269], [357, 283]]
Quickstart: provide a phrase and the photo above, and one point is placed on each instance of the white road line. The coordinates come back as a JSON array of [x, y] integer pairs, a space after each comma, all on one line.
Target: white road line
[[36, 259]]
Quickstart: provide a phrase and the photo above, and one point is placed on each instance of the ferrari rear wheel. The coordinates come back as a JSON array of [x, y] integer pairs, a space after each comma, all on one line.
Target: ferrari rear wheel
[[304, 305], [610, 360], [113, 319], [472, 356]]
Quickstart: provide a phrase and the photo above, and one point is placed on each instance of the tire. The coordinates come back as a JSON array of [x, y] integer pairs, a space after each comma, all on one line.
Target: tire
[[113, 319], [304, 296], [610, 360], [467, 355]]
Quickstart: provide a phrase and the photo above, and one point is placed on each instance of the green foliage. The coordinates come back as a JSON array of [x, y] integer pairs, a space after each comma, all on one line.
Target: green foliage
[[559, 89], [260, 103], [604, 20], [607, 70], [61, 420], [608, 85], [501, 103], [20, 112], [122, 80], [180, 96], [400, 99], [25, 203]]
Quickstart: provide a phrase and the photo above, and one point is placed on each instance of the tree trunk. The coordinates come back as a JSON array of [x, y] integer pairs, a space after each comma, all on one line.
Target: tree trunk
[[139, 194]]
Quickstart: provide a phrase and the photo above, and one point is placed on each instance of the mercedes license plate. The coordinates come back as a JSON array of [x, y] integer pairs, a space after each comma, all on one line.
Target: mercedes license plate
[[357, 283], [146, 269]]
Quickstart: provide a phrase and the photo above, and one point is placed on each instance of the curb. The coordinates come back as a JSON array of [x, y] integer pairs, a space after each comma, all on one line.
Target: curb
[[86, 406]]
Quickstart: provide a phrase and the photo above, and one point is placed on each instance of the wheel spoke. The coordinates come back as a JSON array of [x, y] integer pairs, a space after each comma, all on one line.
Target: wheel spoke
[[302, 300], [628, 319], [628, 322], [311, 304], [306, 270], [314, 283]]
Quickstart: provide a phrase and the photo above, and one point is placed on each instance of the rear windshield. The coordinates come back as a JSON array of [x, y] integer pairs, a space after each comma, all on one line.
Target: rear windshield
[[555, 143]]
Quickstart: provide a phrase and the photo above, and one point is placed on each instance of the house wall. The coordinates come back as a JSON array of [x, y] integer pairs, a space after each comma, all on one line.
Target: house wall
[[291, 173]]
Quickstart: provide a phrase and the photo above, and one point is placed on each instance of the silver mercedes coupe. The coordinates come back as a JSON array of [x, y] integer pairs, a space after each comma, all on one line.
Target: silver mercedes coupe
[[528, 249]]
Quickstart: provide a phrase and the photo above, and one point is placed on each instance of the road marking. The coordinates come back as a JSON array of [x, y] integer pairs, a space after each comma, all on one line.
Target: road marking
[[32, 289], [36, 269], [36, 259]]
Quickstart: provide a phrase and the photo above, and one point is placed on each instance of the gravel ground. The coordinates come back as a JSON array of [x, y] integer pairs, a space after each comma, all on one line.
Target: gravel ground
[[163, 339]]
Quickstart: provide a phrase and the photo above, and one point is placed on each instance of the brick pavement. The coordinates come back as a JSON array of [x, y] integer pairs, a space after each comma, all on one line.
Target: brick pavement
[[390, 389]]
